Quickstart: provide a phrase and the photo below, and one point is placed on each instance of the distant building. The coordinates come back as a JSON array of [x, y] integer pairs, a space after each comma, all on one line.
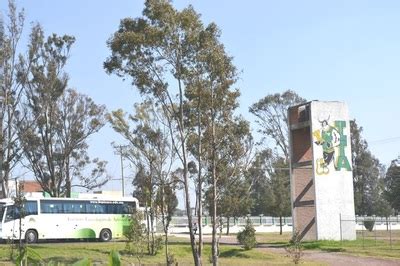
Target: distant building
[[29, 186]]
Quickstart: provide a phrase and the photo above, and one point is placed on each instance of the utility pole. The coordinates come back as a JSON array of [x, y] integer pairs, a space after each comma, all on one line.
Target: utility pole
[[120, 152], [122, 172]]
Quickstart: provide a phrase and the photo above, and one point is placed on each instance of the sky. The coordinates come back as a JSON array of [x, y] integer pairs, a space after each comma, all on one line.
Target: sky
[[324, 50]]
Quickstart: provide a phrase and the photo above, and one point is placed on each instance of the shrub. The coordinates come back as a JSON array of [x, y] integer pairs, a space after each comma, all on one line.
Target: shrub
[[247, 237], [295, 248], [136, 236], [369, 225]]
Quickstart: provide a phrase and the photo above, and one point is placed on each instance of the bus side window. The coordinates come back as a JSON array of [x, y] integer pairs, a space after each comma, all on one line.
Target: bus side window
[[31, 208], [74, 207], [51, 207], [128, 208]]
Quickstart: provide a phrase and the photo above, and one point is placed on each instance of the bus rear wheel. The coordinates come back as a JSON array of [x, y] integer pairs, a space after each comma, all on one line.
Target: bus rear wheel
[[31, 236], [105, 235]]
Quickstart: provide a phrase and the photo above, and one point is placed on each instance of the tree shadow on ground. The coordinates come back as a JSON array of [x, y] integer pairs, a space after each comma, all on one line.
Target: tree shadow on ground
[[233, 253], [60, 261]]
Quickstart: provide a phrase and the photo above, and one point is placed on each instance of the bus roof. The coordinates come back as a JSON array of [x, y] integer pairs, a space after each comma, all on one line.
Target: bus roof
[[9, 201]]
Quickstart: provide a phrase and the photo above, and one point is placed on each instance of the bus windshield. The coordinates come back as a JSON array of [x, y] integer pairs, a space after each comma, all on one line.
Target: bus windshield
[[2, 208]]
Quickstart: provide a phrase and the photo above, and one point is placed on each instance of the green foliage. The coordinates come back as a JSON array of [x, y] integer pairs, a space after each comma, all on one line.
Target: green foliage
[[136, 236], [171, 259], [369, 225], [28, 256], [166, 44], [57, 121], [83, 262], [295, 248], [392, 184], [367, 170], [269, 172], [271, 113], [114, 259], [158, 244], [19, 202], [271, 185], [11, 90], [247, 237], [150, 150]]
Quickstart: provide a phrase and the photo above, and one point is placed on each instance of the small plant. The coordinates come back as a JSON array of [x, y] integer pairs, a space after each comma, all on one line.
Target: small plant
[[28, 256], [171, 260], [114, 258], [369, 225], [136, 236], [295, 248], [247, 237]]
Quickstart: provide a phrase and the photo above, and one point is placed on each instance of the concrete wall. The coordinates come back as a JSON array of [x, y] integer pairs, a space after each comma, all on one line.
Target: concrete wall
[[333, 178], [321, 175]]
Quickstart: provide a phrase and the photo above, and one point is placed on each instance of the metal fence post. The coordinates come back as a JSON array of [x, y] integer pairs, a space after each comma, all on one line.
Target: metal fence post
[[390, 232], [362, 232], [340, 219], [374, 228]]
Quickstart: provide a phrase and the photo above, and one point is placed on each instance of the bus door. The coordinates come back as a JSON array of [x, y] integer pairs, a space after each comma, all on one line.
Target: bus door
[[11, 223]]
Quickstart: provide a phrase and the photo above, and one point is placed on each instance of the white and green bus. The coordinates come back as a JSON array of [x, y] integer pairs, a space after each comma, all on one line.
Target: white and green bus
[[66, 218]]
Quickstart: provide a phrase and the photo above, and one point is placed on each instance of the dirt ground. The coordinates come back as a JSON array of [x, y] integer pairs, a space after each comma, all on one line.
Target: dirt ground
[[336, 259], [328, 258]]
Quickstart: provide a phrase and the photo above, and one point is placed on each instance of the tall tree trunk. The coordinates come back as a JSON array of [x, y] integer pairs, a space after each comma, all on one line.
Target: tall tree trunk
[[189, 215], [3, 179], [200, 221], [152, 244], [214, 187], [166, 248], [67, 179], [227, 226], [165, 225], [146, 210], [280, 224], [200, 182], [185, 176]]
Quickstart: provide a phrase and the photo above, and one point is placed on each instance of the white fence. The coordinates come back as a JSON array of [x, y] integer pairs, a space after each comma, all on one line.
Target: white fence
[[380, 223], [270, 224], [260, 223]]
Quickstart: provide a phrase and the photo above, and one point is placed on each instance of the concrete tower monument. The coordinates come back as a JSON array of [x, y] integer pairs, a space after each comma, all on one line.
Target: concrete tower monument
[[321, 171]]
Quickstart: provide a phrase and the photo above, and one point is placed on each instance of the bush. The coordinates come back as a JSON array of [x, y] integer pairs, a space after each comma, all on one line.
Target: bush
[[247, 237], [136, 236], [295, 248], [369, 225]]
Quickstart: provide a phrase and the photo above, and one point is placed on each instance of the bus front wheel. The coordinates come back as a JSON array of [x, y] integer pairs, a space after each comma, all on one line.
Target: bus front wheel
[[105, 235], [31, 236]]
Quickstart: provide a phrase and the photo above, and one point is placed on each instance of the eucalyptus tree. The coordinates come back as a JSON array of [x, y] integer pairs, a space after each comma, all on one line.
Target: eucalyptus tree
[[222, 135], [271, 113], [167, 202], [278, 198], [11, 91], [57, 121], [232, 158], [367, 171], [164, 52], [150, 150], [392, 185]]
